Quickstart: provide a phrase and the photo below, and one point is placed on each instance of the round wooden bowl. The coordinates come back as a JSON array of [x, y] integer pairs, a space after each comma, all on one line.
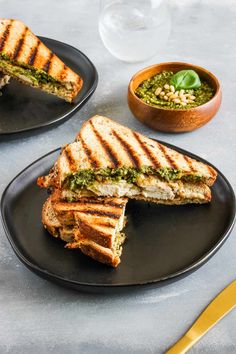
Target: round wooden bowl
[[173, 120]]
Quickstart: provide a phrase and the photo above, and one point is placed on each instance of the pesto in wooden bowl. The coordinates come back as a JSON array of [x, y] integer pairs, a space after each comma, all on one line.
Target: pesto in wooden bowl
[[148, 89]]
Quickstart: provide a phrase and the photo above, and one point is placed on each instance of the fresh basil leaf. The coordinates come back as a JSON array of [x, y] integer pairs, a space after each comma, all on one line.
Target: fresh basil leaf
[[185, 79]]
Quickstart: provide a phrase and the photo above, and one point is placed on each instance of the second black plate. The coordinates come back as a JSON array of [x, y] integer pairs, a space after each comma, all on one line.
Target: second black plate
[[163, 242], [23, 108]]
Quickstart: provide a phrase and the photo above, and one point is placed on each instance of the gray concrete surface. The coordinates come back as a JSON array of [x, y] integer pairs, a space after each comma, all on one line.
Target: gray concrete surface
[[39, 317]]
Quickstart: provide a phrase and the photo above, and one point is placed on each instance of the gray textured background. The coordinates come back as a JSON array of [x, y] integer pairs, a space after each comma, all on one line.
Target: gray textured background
[[39, 317]]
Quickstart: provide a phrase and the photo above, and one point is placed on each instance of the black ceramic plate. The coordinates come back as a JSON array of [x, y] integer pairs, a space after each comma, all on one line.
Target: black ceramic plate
[[23, 108], [163, 242]]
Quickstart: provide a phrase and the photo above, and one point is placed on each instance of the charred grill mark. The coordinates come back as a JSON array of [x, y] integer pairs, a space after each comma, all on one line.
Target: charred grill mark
[[111, 154], [100, 213], [167, 157], [63, 72], [129, 150], [100, 223], [89, 202], [20, 44], [103, 238], [105, 224], [89, 154], [105, 203], [33, 54], [46, 66], [146, 150], [189, 162], [5, 35], [70, 159]]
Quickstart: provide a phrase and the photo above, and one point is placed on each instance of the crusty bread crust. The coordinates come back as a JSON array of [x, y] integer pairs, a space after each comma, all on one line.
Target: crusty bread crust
[[48, 214], [51, 180]]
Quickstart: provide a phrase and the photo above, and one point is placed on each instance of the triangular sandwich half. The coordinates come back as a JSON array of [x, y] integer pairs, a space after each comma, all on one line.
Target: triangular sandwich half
[[92, 225], [24, 57], [110, 160]]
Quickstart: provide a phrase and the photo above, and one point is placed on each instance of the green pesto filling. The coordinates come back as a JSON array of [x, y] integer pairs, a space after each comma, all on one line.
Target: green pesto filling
[[36, 75], [146, 92], [117, 245], [84, 178]]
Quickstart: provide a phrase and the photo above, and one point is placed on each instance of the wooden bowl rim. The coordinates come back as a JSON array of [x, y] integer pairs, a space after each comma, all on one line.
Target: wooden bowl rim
[[209, 73]]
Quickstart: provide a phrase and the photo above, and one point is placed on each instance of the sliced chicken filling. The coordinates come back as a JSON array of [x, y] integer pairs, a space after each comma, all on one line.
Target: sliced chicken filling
[[151, 187]]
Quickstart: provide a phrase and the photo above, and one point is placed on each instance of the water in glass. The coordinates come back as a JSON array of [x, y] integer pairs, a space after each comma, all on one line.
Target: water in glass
[[134, 31]]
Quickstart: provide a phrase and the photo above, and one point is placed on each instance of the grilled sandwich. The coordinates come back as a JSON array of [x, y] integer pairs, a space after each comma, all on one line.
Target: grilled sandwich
[[110, 160], [92, 225], [24, 57]]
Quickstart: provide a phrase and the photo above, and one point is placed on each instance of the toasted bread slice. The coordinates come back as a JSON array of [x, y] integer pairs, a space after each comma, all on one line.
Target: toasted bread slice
[[88, 225], [105, 144], [52, 224], [100, 218], [109, 160], [24, 57]]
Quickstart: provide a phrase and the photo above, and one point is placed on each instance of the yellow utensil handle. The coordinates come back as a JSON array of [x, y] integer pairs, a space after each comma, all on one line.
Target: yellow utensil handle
[[182, 346], [216, 310]]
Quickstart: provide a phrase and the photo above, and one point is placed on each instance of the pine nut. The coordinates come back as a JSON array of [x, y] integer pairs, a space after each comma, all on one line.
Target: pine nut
[[166, 86], [162, 93], [172, 88], [184, 98], [181, 92], [173, 96], [176, 100], [192, 97], [165, 98], [158, 91]]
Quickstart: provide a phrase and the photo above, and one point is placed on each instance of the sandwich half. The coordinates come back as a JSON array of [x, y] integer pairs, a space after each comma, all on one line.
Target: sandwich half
[[110, 160], [24, 57], [92, 225]]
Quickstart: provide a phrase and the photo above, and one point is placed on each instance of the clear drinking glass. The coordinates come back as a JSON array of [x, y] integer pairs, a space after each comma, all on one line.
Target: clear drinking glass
[[134, 30]]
